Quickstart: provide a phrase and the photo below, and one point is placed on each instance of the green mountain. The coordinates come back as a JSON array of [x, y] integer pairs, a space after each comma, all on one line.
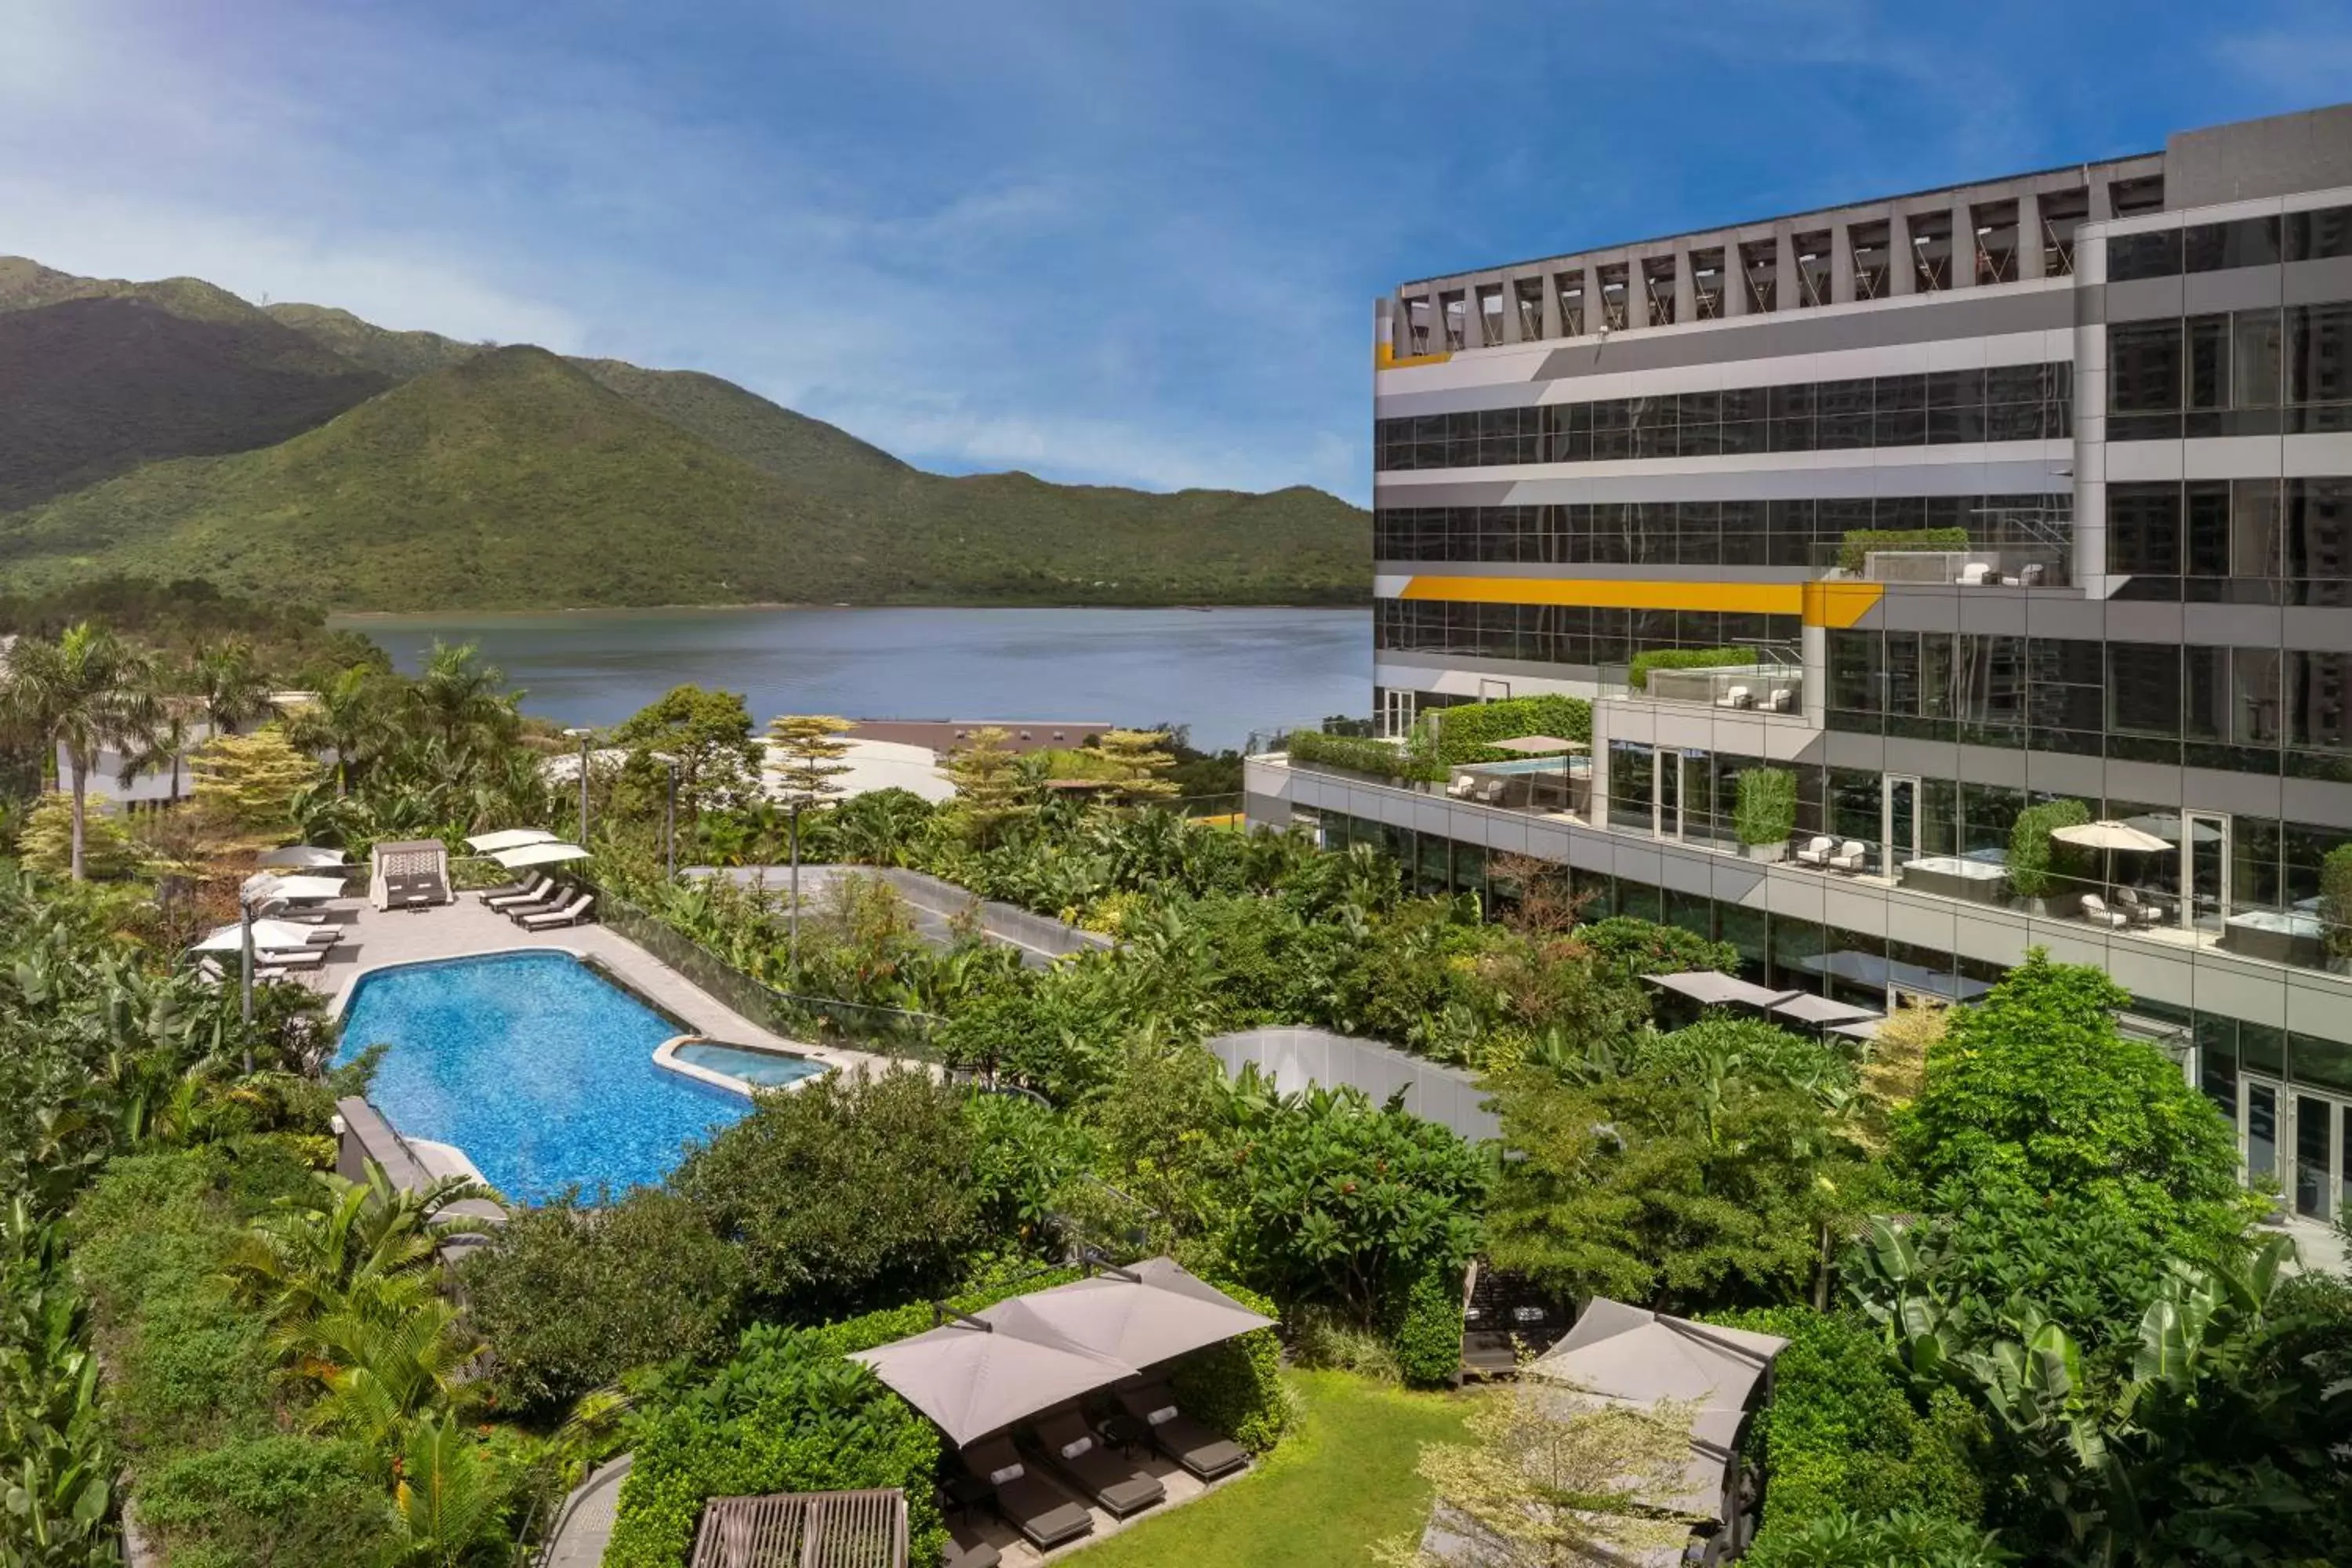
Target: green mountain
[[356, 467]]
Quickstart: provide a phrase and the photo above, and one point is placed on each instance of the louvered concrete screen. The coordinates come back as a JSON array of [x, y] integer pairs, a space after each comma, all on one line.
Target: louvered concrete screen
[[805, 1530]]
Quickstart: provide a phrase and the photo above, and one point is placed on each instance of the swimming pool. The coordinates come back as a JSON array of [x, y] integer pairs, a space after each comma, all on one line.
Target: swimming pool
[[535, 1065], [761, 1069]]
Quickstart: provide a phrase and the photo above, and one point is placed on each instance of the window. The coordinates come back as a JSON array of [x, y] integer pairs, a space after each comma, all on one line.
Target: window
[[2208, 363], [2318, 688], [2319, 355], [2313, 235], [2144, 688], [2318, 536], [2144, 367], [2144, 529], [2246, 242], [2134, 255], [2255, 375]]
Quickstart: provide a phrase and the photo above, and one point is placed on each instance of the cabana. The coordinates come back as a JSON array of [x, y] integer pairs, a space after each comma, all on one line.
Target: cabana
[[1630, 1356], [409, 874]]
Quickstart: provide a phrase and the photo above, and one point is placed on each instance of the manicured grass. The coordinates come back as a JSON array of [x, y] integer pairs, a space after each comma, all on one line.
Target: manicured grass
[[1343, 1480]]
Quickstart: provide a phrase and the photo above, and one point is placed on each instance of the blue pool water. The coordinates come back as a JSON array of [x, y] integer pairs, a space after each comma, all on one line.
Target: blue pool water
[[766, 1070], [540, 1068]]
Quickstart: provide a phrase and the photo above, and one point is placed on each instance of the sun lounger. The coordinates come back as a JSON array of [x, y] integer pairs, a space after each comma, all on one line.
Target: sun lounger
[[1080, 1453], [534, 892], [1188, 1442], [296, 958], [1029, 1505], [571, 914], [966, 1550], [539, 904]]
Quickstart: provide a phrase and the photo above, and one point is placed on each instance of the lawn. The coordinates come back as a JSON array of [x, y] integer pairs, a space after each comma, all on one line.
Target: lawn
[[1342, 1481]]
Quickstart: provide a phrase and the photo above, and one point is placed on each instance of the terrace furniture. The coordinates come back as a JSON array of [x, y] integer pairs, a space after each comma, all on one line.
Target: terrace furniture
[[2145, 911], [1978, 574], [306, 958], [2032, 576], [1738, 696], [1029, 1505], [1197, 1447], [571, 914], [1850, 857], [1489, 793], [2292, 938], [2095, 911], [1782, 700], [1461, 787], [966, 1550], [1817, 850], [1081, 1454], [530, 892]]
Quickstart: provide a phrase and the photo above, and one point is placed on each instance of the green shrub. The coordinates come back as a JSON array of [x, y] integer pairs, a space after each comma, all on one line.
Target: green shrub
[[1629, 945], [787, 1416], [2335, 899], [1854, 551], [1363, 756], [1766, 812], [573, 1297], [1324, 1339], [280, 1499], [1843, 1435], [2033, 857], [1429, 1330], [1236, 1388], [1468, 733], [1905, 1539], [1638, 673]]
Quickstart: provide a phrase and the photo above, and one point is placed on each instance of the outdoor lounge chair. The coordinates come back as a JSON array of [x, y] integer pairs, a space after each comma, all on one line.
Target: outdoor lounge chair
[[1080, 1453], [284, 958], [2095, 911], [966, 1550], [530, 892], [1738, 696], [1190, 1443], [2147, 911], [1029, 1505], [1489, 792], [1461, 787], [572, 914], [1817, 850], [1850, 856], [1978, 574], [1782, 700]]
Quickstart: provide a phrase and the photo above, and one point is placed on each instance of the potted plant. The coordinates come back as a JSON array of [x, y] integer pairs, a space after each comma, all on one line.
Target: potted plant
[[2335, 906], [2032, 866], [1765, 813]]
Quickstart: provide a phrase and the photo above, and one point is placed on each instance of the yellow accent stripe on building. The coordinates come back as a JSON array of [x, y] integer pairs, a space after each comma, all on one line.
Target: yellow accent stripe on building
[[1840, 605], [1385, 357], [1614, 593]]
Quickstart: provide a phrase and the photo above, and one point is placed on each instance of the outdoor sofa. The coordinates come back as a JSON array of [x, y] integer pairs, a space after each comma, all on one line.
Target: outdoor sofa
[[1029, 1505], [1190, 1443], [1076, 1449]]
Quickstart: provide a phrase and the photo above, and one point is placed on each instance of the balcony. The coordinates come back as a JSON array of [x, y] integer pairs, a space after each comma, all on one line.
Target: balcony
[[1991, 566]]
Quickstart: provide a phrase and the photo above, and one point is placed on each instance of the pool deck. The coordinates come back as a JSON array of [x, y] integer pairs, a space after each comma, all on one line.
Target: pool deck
[[377, 939]]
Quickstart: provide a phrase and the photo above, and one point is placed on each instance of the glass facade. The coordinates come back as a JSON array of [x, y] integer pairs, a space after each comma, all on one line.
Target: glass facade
[[1707, 534], [2265, 371], [1563, 633]]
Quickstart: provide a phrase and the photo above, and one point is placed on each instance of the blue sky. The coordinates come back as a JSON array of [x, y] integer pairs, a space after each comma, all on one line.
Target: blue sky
[[1130, 243]]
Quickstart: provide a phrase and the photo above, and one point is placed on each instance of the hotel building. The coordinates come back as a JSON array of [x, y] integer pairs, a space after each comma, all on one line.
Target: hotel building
[[2019, 492]]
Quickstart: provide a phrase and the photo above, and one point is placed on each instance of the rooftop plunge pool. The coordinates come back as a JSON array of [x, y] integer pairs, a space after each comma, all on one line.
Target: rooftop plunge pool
[[540, 1068]]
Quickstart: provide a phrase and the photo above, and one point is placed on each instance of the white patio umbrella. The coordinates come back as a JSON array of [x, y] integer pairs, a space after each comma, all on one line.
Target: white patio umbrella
[[304, 857], [528, 855], [264, 887], [508, 838], [268, 936], [2110, 837]]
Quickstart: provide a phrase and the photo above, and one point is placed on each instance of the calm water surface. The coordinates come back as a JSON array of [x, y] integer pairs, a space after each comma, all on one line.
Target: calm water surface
[[1223, 672]]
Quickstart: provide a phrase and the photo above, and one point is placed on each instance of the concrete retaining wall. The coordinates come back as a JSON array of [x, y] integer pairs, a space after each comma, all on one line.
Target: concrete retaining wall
[[1294, 1059], [1005, 922]]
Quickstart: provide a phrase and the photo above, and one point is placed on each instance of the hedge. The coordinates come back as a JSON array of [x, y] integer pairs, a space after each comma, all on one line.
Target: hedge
[[1236, 1388], [1468, 733], [1429, 1330], [1377, 757], [1843, 1435], [1638, 677], [1854, 551], [2336, 898], [2031, 851]]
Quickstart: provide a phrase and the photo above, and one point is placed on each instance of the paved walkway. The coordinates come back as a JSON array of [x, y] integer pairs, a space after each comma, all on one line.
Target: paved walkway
[[377, 939]]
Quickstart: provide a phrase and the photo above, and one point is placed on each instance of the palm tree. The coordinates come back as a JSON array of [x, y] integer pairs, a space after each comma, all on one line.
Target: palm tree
[[87, 692], [232, 687], [347, 718], [463, 702]]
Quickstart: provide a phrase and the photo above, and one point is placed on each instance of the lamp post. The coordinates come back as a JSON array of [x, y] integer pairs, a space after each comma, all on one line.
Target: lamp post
[[670, 818], [793, 951], [582, 736]]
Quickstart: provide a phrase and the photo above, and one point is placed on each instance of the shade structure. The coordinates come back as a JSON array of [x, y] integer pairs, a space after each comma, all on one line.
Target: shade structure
[[303, 858], [2109, 836], [1628, 1356], [979, 1374], [266, 934], [2165, 826], [1807, 1008], [547, 854], [1713, 988], [1860, 1030], [1152, 1312], [508, 838], [270, 887], [1536, 745]]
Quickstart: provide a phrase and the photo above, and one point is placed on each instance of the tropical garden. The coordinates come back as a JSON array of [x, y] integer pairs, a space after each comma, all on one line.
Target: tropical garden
[[2032, 1317]]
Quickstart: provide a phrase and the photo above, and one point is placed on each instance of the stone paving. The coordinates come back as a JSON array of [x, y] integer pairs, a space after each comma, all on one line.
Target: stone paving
[[377, 939]]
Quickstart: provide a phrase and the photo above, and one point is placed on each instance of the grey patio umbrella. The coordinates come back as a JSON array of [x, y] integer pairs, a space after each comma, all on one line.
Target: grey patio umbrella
[[1153, 1312], [973, 1377]]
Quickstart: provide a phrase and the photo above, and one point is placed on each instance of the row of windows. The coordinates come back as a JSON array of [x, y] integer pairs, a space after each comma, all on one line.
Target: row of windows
[[1562, 634], [2249, 372], [2243, 242], [2005, 403], [2246, 710], [1704, 533], [2233, 541]]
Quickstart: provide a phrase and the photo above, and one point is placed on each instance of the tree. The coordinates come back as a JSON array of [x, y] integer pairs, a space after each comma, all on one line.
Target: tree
[[249, 782], [807, 759], [991, 792], [1138, 762], [46, 842], [84, 693], [347, 717], [231, 686], [709, 733], [1549, 1480], [463, 704]]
